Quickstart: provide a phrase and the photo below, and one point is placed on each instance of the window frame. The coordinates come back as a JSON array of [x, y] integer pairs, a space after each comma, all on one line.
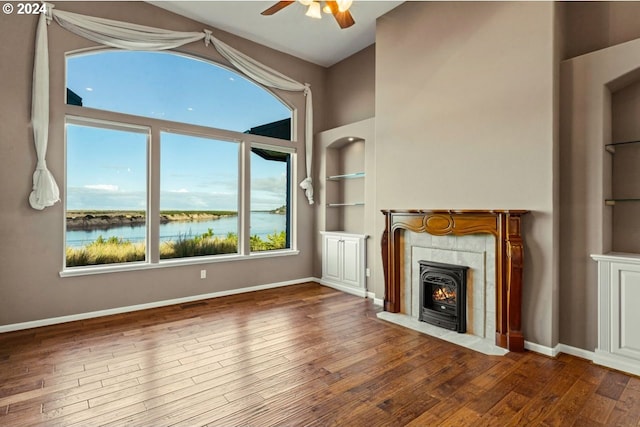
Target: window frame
[[290, 196], [117, 126], [87, 116]]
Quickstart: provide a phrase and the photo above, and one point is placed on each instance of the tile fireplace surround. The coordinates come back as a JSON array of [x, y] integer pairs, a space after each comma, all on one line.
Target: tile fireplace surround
[[503, 225]]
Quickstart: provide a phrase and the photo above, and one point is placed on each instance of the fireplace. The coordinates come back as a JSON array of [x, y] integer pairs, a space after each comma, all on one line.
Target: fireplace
[[504, 225], [443, 295]]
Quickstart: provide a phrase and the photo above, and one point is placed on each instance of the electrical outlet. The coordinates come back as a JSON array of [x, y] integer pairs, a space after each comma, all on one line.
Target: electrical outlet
[[203, 274], [367, 272]]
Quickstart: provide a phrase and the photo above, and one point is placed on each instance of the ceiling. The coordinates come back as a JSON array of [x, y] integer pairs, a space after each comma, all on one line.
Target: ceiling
[[320, 41]]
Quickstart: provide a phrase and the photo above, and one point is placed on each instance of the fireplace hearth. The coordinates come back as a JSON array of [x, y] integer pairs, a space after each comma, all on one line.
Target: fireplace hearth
[[443, 295]]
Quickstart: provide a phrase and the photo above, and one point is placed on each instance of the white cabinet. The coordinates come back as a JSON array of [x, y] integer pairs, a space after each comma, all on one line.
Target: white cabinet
[[343, 261], [618, 314]]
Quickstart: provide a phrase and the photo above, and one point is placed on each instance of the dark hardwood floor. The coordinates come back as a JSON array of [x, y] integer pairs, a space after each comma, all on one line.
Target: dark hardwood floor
[[294, 356]]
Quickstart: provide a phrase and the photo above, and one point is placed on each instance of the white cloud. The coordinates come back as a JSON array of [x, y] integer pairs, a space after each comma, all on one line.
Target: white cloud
[[182, 190], [102, 187]]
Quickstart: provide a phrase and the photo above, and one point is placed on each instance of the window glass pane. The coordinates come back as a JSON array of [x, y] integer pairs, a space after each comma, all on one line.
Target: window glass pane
[[175, 87], [270, 204], [198, 196], [106, 196]]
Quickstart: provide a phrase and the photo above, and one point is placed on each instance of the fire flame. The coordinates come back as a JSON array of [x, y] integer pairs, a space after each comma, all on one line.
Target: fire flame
[[443, 294]]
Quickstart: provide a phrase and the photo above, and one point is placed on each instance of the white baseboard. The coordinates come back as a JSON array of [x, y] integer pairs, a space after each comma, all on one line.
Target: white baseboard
[[347, 289], [376, 301], [615, 361], [361, 293], [574, 351], [560, 348], [547, 351], [128, 309]]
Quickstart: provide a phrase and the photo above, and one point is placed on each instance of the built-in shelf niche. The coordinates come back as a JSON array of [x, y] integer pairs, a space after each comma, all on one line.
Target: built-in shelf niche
[[345, 184], [622, 196]]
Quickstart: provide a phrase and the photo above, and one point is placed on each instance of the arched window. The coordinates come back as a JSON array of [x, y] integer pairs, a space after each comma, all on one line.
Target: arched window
[[161, 149], [177, 88]]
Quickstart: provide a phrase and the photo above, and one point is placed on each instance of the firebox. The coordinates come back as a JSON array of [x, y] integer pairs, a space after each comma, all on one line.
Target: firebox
[[443, 295]]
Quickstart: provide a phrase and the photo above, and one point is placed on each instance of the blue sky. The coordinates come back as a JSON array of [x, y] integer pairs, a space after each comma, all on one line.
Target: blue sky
[[106, 169]]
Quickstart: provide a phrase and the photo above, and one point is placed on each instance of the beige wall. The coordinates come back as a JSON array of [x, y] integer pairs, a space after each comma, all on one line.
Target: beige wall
[[465, 119], [32, 251], [594, 25], [350, 89]]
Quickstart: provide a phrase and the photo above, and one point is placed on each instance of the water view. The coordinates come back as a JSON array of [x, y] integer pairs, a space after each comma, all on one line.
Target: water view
[[263, 224]]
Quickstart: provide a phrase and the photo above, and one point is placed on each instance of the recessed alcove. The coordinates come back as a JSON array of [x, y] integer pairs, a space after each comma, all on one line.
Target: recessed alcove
[[600, 200], [345, 184], [624, 159]]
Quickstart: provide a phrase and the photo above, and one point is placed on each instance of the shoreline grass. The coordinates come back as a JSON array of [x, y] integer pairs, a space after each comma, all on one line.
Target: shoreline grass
[[116, 250]]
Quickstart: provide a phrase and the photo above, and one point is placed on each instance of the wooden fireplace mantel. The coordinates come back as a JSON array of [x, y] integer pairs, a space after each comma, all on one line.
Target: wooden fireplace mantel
[[503, 224]]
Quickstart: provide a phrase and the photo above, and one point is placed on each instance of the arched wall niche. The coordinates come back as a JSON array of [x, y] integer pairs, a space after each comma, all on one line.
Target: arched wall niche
[[345, 186], [623, 164], [592, 87], [345, 183]]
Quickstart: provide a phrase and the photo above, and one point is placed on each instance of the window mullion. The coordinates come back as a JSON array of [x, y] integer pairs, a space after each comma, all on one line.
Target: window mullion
[[244, 194], [153, 203]]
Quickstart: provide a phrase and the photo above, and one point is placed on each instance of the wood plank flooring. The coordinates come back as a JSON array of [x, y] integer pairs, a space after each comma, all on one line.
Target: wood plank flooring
[[302, 355]]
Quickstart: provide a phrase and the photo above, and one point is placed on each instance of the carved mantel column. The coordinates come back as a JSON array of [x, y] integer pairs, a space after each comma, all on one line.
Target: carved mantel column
[[505, 225]]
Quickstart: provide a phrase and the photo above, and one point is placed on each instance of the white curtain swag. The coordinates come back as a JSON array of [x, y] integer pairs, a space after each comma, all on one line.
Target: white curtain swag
[[123, 35], [45, 190]]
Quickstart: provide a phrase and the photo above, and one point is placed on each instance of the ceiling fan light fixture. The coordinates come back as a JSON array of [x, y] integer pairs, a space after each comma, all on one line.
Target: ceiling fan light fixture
[[326, 8], [314, 10], [344, 5], [305, 2]]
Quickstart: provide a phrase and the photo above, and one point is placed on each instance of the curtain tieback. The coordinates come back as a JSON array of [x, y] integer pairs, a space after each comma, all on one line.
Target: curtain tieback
[[207, 37], [49, 12], [307, 186]]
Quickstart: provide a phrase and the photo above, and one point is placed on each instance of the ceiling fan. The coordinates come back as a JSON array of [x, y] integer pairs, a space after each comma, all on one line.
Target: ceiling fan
[[339, 9]]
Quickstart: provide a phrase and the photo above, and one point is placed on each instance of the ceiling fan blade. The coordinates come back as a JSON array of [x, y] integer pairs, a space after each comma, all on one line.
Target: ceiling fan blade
[[344, 19], [276, 7]]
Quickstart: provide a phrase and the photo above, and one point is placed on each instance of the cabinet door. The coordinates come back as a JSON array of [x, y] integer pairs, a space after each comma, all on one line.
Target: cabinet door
[[625, 316], [331, 260], [351, 262]]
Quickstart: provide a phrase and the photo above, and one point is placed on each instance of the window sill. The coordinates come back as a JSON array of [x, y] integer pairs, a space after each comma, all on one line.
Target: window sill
[[138, 266]]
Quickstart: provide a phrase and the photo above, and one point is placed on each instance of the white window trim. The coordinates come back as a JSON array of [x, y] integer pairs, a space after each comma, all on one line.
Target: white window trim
[[139, 266], [111, 125], [244, 252]]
